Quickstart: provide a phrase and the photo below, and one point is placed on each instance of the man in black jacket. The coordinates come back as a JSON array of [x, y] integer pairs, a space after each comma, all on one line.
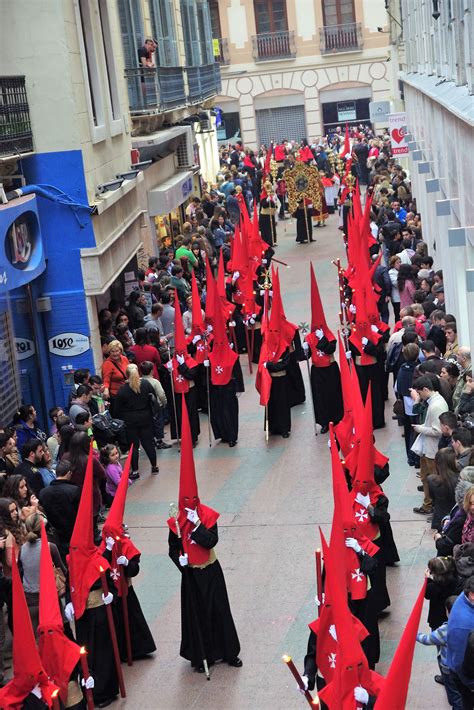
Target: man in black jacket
[[31, 454], [60, 501]]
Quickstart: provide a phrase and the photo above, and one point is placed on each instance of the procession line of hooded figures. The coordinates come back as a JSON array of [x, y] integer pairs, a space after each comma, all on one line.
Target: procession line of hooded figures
[[103, 616]]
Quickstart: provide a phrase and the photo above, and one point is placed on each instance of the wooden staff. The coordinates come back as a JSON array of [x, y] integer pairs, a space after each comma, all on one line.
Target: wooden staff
[[306, 219], [304, 331], [55, 700], [113, 634], [124, 590], [85, 675], [319, 580], [249, 352], [265, 423], [312, 702], [170, 359], [208, 401], [283, 263]]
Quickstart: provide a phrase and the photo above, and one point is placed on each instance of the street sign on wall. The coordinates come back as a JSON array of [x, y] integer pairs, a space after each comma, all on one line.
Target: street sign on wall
[[379, 111], [397, 126]]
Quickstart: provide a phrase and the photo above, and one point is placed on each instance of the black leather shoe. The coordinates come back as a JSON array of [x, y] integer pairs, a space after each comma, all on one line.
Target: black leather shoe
[[439, 679], [232, 444], [235, 663], [325, 429], [419, 488], [422, 510], [286, 435], [162, 445], [107, 702]]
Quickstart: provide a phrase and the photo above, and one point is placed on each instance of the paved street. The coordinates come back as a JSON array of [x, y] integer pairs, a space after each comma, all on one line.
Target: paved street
[[272, 498]]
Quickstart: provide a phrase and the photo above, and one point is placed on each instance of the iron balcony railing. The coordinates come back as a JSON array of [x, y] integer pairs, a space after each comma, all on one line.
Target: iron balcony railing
[[16, 136], [274, 45], [155, 88], [221, 50], [203, 82], [341, 38]]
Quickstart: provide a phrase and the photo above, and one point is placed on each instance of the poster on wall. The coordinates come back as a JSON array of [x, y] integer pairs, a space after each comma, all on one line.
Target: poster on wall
[[346, 111], [67, 344], [397, 126]]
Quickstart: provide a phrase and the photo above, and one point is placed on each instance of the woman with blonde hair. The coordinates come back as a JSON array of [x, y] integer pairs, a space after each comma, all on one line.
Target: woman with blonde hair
[[135, 403], [113, 372]]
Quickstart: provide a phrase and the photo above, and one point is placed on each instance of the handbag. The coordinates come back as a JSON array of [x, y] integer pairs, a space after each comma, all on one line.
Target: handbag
[[398, 408], [154, 405], [60, 579]]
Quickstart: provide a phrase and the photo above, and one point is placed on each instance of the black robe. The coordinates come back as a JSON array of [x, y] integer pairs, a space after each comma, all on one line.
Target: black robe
[[191, 397], [267, 223], [304, 225], [140, 634], [297, 392], [225, 410], [92, 631], [257, 342], [370, 374], [204, 601], [326, 387], [366, 612], [279, 410]]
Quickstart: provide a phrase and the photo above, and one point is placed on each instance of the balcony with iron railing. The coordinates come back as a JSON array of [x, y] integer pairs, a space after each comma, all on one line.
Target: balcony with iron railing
[[341, 38], [16, 136], [269, 46], [155, 89], [221, 50], [203, 82]]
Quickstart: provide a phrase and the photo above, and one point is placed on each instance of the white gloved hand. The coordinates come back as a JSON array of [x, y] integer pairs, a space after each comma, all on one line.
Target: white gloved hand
[[169, 364], [304, 678], [252, 321], [305, 346], [361, 695], [352, 308], [231, 346], [196, 339], [180, 359], [262, 293], [352, 543], [192, 515], [319, 333], [206, 363], [109, 543], [265, 365], [88, 683], [374, 329], [183, 560], [37, 691], [264, 261], [122, 560], [232, 323], [235, 275], [348, 354], [210, 328], [363, 499], [107, 599], [365, 341], [69, 611]]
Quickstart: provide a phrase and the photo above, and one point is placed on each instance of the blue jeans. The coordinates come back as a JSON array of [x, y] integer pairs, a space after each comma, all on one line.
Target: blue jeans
[[452, 692]]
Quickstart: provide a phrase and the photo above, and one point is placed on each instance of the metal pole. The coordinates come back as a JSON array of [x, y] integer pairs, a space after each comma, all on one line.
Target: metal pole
[[208, 406]]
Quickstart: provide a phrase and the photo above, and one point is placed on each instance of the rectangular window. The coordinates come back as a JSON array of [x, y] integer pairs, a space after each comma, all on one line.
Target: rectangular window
[[91, 72], [338, 12], [270, 16], [162, 20], [191, 38], [205, 32], [131, 28]]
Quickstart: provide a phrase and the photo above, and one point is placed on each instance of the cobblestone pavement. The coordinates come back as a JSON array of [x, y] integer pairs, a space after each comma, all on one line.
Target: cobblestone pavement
[[272, 498]]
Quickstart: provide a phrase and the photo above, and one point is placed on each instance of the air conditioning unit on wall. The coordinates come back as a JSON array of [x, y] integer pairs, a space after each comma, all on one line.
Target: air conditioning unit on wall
[[184, 150]]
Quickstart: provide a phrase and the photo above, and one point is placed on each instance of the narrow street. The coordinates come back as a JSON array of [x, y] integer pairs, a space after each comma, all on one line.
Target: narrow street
[[272, 498]]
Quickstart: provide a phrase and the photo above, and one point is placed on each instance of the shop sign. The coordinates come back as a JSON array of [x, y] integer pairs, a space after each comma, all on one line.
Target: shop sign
[[187, 187], [21, 249], [20, 241], [379, 111], [346, 111], [67, 344], [24, 348], [397, 126]]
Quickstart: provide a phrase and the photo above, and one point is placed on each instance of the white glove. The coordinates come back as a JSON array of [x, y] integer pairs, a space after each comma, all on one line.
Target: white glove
[[180, 359], [109, 543], [262, 293], [210, 328], [37, 691], [348, 354], [252, 321], [352, 542], [352, 308], [196, 339], [183, 560], [231, 346], [374, 329], [89, 683], [319, 333], [169, 364], [232, 323], [108, 599], [361, 695], [69, 611], [264, 261], [265, 364], [304, 678], [305, 346], [363, 500], [365, 341], [192, 515], [122, 560], [206, 363], [235, 275]]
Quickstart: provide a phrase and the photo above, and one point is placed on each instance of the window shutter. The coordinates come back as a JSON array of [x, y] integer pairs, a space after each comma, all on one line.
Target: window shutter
[[131, 27], [162, 18]]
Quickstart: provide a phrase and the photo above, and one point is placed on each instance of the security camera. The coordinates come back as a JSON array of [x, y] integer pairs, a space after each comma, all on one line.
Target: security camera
[[110, 186]]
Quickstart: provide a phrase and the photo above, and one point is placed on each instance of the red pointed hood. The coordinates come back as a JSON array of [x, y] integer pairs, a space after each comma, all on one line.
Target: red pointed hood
[[198, 323], [227, 308], [282, 330], [28, 670], [189, 497], [210, 289], [59, 654], [344, 430], [343, 516], [113, 526], [180, 346], [318, 319], [364, 476], [222, 357], [84, 558], [393, 695], [346, 148], [266, 168]]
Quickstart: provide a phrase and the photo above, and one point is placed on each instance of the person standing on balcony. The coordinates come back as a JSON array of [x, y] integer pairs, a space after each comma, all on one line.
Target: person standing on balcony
[[145, 54]]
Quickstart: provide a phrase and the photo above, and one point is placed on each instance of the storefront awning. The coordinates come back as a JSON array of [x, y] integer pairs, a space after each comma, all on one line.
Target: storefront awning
[[170, 194]]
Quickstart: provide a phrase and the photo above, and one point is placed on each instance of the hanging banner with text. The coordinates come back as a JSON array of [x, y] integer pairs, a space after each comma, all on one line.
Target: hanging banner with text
[[397, 126]]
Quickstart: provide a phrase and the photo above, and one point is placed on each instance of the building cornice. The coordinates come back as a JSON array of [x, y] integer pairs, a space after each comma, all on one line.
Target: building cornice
[[455, 99]]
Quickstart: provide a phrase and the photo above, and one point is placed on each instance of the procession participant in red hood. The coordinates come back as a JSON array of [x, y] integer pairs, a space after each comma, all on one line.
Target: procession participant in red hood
[[87, 600], [320, 345], [184, 370], [223, 384], [207, 627], [124, 559]]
